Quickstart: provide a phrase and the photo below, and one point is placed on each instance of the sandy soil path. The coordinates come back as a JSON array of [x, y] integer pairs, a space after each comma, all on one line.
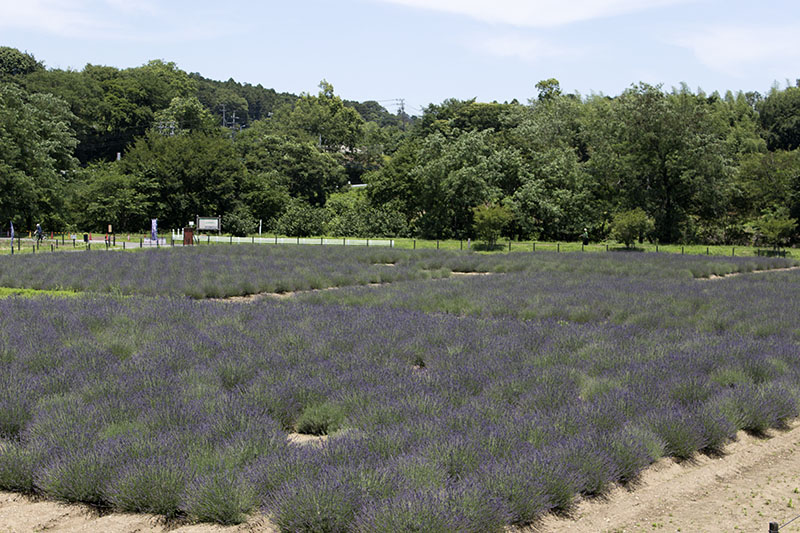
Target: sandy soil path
[[714, 276], [20, 514], [756, 482]]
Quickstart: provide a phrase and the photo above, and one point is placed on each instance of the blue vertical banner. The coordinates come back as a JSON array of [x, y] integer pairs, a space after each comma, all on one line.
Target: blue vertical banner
[[154, 229]]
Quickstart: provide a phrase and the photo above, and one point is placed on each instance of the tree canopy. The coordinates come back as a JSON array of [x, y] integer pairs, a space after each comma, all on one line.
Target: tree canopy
[[703, 168]]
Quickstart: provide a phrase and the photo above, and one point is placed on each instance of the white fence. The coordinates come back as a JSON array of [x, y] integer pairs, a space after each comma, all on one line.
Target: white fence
[[296, 240]]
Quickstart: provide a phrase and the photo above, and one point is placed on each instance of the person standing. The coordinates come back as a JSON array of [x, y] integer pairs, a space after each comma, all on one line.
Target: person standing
[[585, 236]]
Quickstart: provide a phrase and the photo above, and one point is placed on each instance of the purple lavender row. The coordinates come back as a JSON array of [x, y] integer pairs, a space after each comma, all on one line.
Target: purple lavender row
[[435, 422]]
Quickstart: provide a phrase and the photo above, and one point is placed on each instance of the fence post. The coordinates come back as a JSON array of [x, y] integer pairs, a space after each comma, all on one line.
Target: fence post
[[367, 243], [73, 243], [344, 241], [707, 250], [681, 250], [141, 242], [582, 247], [774, 527], [321, 241], [88, 246], [509, 245], [34, 248], [558, 247], [733, 251], [231, 239], [276, 238], [415, 244], [461, 244], [253, 240], [606, 247], [123, 246], [656, 248]]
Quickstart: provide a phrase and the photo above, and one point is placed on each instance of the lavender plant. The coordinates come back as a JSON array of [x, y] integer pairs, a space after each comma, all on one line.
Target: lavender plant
[[434, 421]]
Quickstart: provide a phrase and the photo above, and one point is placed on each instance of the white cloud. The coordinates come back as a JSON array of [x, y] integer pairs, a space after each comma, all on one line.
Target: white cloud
[[62, 17], [536, 13], [734, 50], [525, 47], [114, 20]]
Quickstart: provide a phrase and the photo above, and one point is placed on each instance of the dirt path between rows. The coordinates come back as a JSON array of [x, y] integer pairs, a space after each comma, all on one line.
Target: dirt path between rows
[[756, 482], [714, 276], [284, 295]]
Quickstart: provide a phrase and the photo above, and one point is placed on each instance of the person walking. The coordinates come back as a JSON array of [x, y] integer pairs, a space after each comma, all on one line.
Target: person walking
[[585, 236]]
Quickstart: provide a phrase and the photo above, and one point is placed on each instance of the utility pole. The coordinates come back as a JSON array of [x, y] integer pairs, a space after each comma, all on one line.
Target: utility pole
[[402, 111]]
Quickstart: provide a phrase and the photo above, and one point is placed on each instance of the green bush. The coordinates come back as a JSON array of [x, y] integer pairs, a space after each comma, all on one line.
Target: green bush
[[629, 226], [320, 419]]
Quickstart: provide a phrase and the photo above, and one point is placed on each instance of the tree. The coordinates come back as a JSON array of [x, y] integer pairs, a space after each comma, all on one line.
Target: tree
[[549, 89], [454, 177], [16, 63], [184, 115], [490, 221], [775, 227], [36, 146], [304, 170], [104, 195], [266, 195], [662, 153], [779, 113], [300, 219], [628, 226], [323, 119], [184, 176]]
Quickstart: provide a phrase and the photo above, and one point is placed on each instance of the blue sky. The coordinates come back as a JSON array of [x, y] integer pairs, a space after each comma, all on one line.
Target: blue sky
[[425, 50]]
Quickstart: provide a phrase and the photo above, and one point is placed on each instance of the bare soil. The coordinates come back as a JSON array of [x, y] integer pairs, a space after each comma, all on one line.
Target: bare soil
[[714, 276], [285, 295], [756, 482]]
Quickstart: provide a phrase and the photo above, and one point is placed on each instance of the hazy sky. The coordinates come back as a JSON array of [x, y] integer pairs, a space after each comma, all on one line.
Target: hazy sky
[[425, 50]]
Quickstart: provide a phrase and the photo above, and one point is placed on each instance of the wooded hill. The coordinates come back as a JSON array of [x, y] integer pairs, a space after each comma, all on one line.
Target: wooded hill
[[695, 167]]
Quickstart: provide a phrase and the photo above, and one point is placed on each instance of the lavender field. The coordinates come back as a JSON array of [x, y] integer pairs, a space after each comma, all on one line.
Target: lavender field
[[466, 404], [222, 271]]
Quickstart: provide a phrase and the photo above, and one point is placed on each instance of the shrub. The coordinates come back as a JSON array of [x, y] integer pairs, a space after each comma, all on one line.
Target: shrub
[[239, 222], [321, 419], [322, 505], [490, 221], [17, 464], [220, 496], [628, 226], [301, 220], [150, 485]]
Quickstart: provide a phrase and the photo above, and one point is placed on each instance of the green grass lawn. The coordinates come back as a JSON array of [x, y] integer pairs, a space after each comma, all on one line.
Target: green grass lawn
[[502, 246]]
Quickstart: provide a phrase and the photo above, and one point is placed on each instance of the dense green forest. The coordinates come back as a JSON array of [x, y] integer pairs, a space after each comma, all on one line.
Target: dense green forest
[[687, 166]]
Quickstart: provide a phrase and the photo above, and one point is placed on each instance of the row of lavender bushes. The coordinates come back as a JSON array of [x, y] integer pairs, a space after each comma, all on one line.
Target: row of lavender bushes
[[221, 271], [755, 305], [435, 422]]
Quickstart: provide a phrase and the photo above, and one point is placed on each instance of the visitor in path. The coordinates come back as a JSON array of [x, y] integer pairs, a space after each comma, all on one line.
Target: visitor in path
[[585, 236]]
